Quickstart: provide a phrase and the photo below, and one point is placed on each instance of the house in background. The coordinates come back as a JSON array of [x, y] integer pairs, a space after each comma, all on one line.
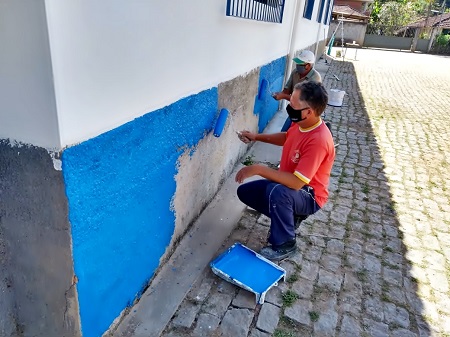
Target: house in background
[[431, 26], [361, 6], [106, 146], [352, 27]]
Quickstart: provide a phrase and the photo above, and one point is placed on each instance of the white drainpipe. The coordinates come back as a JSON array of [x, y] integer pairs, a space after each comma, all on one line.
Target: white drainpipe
[[293, 37]]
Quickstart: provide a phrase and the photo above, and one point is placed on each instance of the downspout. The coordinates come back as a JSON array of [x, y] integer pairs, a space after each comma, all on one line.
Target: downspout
[[291, 47], [293, 36], [319, 30]]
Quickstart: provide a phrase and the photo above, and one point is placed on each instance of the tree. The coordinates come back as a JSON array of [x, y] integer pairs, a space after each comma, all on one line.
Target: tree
[[408, 9]]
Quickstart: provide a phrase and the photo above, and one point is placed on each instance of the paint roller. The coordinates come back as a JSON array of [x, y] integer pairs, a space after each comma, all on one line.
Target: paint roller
[[220, 124]]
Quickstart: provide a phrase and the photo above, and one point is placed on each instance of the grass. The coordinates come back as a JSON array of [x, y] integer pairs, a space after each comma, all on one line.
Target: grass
[[249, 160], [292, 278], [282, 333], [362, 275], [289, 298], [314, 315], [388, 249], [366, 188]]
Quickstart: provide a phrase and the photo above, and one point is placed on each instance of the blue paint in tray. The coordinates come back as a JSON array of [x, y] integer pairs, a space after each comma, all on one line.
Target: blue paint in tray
[[247, 269]]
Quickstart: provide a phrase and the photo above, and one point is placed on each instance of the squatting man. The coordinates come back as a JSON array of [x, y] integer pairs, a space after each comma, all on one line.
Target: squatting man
[[299, 186]]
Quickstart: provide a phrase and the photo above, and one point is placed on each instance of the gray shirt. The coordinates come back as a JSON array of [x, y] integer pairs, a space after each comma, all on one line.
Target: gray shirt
[[294, 78]]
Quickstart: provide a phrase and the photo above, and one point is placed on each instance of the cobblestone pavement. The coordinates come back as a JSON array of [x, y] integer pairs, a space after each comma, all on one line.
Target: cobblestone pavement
[[375, 261]]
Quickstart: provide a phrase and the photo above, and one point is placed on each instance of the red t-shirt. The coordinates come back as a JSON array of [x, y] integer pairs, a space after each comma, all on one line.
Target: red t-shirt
[[309, 154]]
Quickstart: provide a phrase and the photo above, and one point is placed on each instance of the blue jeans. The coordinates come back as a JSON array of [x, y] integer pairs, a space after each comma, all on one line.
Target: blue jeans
[[280, 204]]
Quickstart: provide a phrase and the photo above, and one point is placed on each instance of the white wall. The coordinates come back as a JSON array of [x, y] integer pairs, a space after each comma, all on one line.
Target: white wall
[[27, 104], [114, 61]]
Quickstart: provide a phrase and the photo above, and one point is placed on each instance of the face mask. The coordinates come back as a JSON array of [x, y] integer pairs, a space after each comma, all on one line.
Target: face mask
[[300, 68], [295, 115]]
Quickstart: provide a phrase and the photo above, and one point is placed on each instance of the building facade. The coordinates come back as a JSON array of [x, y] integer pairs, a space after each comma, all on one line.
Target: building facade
[[106, 146]]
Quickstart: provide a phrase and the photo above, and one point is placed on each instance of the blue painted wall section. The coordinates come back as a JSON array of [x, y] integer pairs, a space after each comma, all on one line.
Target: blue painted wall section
[[120, 186], [271, 77]]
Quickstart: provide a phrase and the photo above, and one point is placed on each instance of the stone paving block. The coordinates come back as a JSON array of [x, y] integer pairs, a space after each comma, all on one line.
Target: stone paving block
[[375, 329], [186, 314], [394, 259], [396, 315], [309, 270], [299, 312], [337, 232], [303, 287], [244, 299], [217, 304], [392, 276], [331, 262], [403, 333], [318, 243], [372, 263], [350, 302], [374, 246], [350, 326], [274, 296], [226, 287], [268, 318], [335, 247], [326, 324], [355, 263], [289, 267], [297, 258], [236, 323], [396, 295], [374, 308], [201, 288], [352, 282], [329, 280], [206, 325], [259, 333], [312, 253], [438, 281], [263, 220]]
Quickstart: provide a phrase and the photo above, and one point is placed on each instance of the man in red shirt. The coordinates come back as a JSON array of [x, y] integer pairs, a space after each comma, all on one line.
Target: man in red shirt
[[299, 187]]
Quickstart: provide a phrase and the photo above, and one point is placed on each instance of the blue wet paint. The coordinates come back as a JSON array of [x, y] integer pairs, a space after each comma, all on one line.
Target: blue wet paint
[[220, 123], [271, 78], [243, 265], [119, 187]]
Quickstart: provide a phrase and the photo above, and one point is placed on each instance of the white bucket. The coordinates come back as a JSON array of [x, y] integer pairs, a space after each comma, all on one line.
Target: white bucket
[[335, 97]]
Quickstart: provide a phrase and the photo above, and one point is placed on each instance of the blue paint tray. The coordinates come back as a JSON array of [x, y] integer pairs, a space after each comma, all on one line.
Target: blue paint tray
[[247, 269]]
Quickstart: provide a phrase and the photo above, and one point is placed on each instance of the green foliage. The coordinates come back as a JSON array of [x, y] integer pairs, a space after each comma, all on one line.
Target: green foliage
[[401, 12], [249, 160], [289, 297], [314, 315], [443, 40], [282, 333], [293, 278], [397, 14]]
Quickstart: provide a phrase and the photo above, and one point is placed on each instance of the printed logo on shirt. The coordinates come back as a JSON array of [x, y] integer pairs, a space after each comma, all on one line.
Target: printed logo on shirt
[[296, 156]]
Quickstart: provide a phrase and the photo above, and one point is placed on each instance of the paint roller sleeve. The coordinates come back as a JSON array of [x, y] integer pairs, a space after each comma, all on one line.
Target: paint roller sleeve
[[220, 123]]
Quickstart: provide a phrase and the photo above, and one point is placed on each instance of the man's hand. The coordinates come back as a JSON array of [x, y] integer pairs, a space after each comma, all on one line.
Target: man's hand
[[277, 95], [246, 136], [281, 95], [247, 172]]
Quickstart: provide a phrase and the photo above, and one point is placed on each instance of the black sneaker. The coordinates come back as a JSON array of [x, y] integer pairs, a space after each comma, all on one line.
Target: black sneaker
[[277, 253]]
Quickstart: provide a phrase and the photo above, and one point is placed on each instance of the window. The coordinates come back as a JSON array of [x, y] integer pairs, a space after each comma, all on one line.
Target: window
[[327, 17], [261, 10], [320, 11], [309, 6]]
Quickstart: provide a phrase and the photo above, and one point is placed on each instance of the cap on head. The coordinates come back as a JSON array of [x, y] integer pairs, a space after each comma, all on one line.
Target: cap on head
[[305, 56]]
